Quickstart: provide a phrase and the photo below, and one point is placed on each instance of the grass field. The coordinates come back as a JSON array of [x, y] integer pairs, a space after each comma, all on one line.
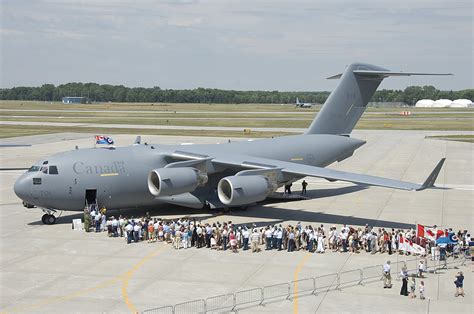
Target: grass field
[[212, 115]]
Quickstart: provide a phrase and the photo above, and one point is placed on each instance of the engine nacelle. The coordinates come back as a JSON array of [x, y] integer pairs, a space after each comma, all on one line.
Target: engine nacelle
[[174, 181], [243, 190]]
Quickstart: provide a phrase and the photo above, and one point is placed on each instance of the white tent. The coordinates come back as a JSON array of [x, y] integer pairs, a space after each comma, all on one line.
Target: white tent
[[424, 103], [442, 103], [461, 103]]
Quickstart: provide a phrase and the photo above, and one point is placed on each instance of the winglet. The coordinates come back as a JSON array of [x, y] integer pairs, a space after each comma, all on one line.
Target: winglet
[[430, 181]]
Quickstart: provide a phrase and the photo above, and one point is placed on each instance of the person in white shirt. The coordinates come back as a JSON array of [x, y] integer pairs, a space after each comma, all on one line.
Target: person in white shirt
[[121, 226], [246, 237], [320, 239], [136, 232], [129, 232], [97, 220], [279, 238], [268, 238], [115, 225], [387, 278]]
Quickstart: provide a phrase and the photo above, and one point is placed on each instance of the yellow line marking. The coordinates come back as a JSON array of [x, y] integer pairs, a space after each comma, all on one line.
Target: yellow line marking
[[124, 277], [295, 285], [128, 275], [108, 174]]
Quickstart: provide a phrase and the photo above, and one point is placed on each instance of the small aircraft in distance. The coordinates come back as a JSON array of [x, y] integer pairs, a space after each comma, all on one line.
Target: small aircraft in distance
[[303, 104], [226, 175]]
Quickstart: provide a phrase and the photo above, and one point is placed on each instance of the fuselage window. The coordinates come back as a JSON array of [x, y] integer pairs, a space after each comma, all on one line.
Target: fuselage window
[[36, 181], [53, 170], [34, 169]]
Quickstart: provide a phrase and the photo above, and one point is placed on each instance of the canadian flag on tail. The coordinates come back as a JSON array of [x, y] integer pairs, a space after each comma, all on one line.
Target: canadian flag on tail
[[428, 233]]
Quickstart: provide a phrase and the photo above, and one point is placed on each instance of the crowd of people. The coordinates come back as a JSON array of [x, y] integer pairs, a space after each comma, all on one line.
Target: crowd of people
[[186, 233]]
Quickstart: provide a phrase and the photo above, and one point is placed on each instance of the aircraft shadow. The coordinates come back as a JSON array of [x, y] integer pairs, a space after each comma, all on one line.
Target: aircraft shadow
[[255, 213], [280, 215], [318, 193]]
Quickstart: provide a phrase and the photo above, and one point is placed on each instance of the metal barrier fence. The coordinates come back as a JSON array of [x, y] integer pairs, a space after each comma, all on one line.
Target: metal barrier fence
[[225, 302], [373, 273], [196, 306], [287, 291], [303, 287], [248, 297], [161, 310], [276, 292]]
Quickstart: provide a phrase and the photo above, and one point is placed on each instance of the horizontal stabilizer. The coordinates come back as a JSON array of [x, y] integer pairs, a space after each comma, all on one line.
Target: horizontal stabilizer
[[335, 77], [391, 73], [430, 181], [384, 74]]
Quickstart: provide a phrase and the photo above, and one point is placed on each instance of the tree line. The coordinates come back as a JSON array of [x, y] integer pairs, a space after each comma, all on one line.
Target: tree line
[[118, 93]]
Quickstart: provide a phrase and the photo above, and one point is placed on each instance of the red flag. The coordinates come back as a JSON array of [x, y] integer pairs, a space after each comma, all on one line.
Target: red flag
[[420, 231], [428, 233]]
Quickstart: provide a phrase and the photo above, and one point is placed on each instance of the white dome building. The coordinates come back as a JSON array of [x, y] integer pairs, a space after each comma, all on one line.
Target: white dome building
[[424, 103], [442, 103], [461, 103]]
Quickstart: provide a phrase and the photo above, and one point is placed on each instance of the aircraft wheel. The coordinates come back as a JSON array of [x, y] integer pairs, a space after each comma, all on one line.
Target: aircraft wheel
[[50, 220], [43, 219]]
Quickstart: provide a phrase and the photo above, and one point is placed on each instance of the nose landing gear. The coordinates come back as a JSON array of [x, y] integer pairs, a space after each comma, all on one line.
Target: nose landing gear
[[49, 217]]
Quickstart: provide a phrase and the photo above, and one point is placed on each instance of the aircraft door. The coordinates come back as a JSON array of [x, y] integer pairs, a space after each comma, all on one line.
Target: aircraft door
[[91, 196]]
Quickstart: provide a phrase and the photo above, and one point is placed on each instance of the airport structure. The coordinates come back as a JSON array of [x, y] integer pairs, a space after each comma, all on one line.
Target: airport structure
[[74, 100], [444, 103]]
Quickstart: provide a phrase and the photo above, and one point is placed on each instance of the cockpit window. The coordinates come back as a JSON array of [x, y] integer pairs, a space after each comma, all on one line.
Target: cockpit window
[[53, 170], [44, 169], [34, 169]]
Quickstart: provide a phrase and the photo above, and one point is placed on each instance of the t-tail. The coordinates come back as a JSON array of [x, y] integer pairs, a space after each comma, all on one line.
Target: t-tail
[[346, 104]]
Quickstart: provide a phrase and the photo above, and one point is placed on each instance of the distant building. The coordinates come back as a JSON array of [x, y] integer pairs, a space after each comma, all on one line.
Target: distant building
[[74, 100], [444, 103], [424, 103], [461, 103]]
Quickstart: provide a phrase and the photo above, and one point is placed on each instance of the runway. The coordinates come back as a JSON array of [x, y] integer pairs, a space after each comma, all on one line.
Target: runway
[[55, 269], [303, 112], [176, 127]]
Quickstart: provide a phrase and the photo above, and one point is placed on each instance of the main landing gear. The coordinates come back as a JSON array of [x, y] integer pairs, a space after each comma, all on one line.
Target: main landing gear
[[49, 217]]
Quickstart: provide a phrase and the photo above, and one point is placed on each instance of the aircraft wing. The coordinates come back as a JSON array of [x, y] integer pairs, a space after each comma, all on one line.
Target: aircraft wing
[[248, 162]]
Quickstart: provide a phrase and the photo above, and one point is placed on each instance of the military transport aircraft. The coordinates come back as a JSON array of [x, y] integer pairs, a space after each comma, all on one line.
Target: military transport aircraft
[[219, 175], [303, 104]]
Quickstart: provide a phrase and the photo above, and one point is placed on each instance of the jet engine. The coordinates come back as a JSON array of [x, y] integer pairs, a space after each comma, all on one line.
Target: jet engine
[[174, 181], [242, 190]]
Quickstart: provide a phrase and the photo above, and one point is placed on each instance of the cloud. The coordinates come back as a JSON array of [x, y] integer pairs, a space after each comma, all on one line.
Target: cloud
[[230, 44]]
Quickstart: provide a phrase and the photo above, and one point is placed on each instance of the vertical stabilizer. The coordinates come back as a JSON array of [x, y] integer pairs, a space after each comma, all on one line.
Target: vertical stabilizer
[[346, 104]]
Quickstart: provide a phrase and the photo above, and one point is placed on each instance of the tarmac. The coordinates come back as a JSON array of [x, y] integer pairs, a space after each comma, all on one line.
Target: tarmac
[[56, 269]]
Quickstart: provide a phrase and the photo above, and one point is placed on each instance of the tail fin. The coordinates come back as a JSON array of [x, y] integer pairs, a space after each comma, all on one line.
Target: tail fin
[[297, 101], [346, 104]]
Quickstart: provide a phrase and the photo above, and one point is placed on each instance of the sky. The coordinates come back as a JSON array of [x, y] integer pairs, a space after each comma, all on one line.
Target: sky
[[242, 45]]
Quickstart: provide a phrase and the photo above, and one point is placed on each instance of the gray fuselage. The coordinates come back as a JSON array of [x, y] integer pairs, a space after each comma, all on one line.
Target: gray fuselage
[[119, 175]]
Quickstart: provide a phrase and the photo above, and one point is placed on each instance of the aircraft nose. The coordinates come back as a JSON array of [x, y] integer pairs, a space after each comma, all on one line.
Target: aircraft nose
[[21, 187]]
